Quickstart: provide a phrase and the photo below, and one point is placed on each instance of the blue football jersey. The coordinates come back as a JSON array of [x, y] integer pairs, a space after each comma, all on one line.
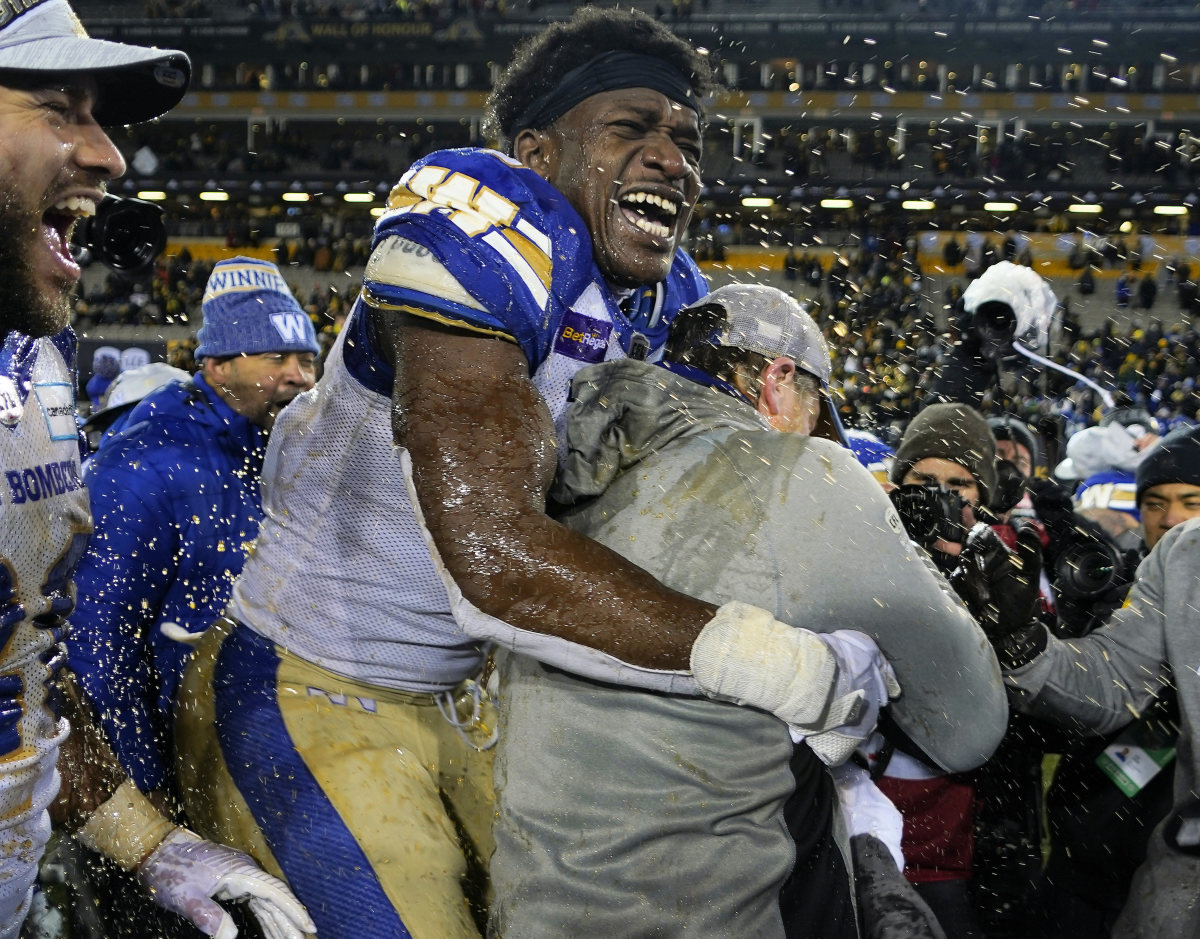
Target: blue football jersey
[[517, 247]]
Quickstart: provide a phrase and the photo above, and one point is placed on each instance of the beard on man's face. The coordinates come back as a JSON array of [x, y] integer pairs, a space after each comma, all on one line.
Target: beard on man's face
[[22, 306]]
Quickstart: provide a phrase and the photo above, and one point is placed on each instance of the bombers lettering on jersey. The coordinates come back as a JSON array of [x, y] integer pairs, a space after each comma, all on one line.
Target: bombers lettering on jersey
[[34, 483]]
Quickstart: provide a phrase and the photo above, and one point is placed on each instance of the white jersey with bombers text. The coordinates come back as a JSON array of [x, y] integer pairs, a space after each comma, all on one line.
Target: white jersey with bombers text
[[44, 527]]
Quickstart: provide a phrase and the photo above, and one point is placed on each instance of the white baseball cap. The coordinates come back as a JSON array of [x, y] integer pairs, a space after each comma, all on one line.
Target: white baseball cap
[[129, 387], [136, 83], [764, 319]]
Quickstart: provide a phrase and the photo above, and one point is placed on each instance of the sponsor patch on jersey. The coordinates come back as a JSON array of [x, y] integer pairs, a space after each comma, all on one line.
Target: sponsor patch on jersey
[[582, 338], [58, 407], [11, 407]]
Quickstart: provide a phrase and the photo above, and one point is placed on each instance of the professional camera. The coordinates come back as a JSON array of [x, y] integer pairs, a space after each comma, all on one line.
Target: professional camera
[[124, 234], [1006, 302], [1087, 567], [929, 513], [995, 321]]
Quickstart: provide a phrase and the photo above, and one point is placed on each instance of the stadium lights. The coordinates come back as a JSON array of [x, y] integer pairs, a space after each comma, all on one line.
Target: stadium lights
[[296, 197], [214, 195], [1080, 208], [152, 195], [1170, 210], [999, 207], [837, 203], [359, 197], [918, 205], [757, 202]]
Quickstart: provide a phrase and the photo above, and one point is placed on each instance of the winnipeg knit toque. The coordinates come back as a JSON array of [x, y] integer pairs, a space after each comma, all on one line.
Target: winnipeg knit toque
[[951, 432], [249, 309]]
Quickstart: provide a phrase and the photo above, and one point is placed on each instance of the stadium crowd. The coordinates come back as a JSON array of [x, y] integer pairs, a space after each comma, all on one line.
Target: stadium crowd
[[321, 674]]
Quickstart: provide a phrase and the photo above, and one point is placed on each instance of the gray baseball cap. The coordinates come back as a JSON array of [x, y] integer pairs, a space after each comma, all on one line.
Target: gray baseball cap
[[766, 320], [763, 319], [136, 83]]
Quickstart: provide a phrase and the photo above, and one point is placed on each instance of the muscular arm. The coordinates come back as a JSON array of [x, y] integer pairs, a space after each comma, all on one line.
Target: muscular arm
[[481, 443]]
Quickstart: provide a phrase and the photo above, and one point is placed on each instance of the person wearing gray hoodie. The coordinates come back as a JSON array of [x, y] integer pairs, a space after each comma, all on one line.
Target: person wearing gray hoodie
[[685, 814]]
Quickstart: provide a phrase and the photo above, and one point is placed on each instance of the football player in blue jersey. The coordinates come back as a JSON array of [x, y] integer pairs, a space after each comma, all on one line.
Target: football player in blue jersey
[[406, 497], [57, 87]]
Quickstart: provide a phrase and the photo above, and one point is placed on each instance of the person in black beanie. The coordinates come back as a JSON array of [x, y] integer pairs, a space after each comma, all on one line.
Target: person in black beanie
[[1018, 443], [949, 452], [1098, 830], [945, 471], [1168, 484]]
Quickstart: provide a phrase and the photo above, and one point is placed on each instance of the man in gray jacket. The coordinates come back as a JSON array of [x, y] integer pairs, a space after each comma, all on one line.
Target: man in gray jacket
[[1104, 681], [688, 814]]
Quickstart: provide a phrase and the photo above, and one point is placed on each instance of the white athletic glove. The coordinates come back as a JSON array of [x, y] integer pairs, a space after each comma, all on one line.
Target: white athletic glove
[[862, 672], [814, 683], [185, 873]]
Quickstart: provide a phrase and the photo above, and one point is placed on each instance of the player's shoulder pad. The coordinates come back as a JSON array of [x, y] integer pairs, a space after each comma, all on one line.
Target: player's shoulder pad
[[477, 189]]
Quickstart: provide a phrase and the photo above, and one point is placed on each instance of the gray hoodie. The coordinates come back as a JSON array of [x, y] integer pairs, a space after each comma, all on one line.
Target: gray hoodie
[[1104, 680], [695, 487]]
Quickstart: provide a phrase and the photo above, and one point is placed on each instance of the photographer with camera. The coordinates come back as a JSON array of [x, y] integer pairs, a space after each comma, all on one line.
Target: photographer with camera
[[946, 474], [1107, 680], [1100, 820]]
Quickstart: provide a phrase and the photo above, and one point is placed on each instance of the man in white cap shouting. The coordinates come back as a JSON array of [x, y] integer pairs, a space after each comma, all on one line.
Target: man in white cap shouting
[[57, 88]]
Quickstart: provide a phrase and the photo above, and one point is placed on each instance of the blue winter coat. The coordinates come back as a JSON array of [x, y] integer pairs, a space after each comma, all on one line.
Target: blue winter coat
[[176, 502]]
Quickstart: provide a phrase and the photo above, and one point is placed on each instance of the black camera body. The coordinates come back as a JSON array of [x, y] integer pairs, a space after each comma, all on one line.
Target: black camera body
[[1087, 568], [929, 513], [126, 235]]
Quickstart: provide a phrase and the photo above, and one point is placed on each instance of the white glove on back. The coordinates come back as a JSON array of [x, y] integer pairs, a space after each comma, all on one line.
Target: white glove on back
[[864, 673], [185, 871], [814, 683]]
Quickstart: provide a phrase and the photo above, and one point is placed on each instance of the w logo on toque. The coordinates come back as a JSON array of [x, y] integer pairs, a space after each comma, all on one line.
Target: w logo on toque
[[291, 327]]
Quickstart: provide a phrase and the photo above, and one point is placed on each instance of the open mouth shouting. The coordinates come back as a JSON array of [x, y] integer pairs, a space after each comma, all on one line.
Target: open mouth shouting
[[57, 224], [652, 213]]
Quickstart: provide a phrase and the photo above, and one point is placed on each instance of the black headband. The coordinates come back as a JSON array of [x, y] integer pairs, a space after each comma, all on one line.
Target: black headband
[[607, 72]]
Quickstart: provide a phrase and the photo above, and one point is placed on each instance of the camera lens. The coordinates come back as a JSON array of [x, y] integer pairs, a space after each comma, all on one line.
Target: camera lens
[[1010, 487], [995, 320], [124, 234], [1086, 569], [929, 513]]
